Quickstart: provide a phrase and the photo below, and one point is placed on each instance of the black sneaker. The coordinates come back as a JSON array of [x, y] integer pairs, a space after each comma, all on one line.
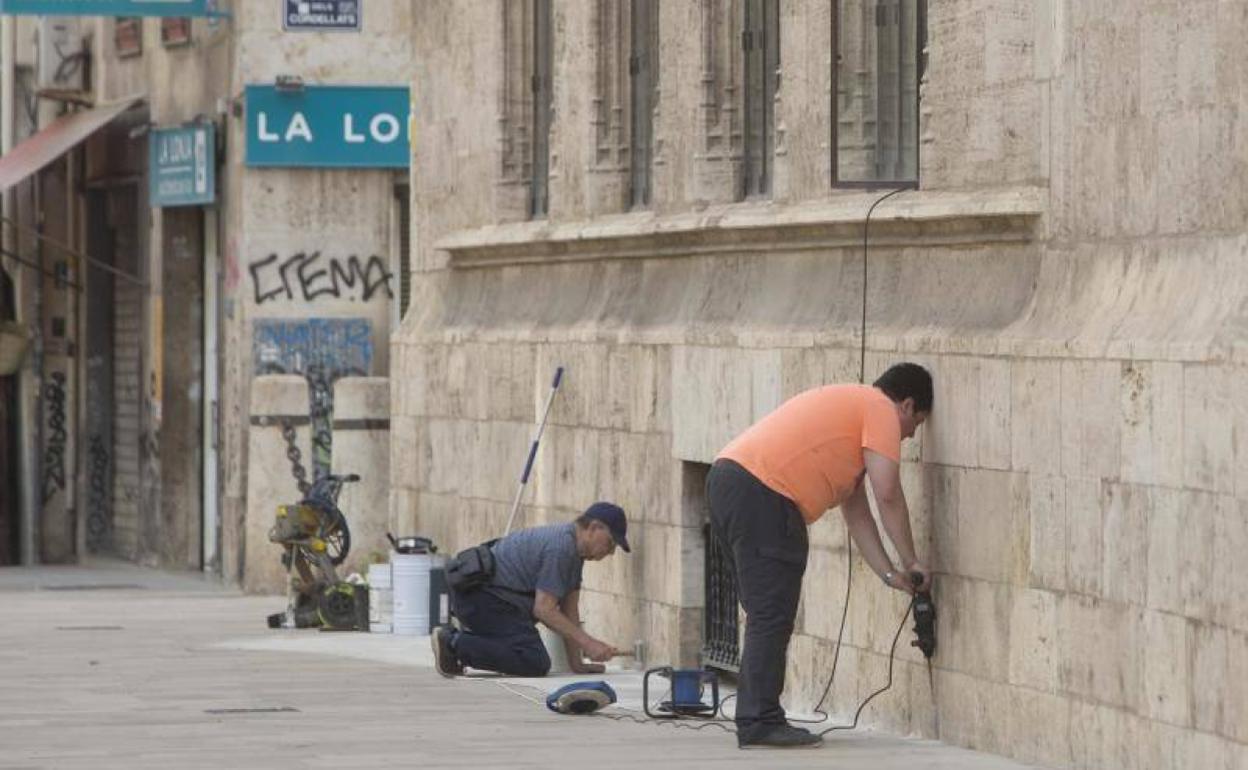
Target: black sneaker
[[778, 737], [444, 658]]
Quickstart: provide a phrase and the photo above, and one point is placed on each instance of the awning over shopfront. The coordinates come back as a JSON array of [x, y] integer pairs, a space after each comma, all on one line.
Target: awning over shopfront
[[54, 140]]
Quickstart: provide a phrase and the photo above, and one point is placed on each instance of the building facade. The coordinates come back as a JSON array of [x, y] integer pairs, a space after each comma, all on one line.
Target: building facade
[[151, 319], [672, 199]]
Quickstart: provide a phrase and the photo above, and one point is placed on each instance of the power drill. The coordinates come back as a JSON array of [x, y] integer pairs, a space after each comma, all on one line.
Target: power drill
[[924, 619]]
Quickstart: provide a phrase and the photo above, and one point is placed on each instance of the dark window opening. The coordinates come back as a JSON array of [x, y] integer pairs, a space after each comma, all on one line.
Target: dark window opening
[[543, 109], [643, 73], [128, 36], [175, 31], [10, 440], [760, 42], [877, 70]]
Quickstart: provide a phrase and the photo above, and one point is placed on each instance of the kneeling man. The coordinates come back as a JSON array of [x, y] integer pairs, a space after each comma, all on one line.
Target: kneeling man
[[537, 577]]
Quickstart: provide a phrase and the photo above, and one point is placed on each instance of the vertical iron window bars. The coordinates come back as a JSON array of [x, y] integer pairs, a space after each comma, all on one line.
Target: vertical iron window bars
[[760, 44], [543, 109], [643, 73], [720, 637], [403, 207], [876, 73]]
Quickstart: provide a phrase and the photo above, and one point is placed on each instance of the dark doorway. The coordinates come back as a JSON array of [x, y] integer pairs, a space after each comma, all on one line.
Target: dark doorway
[[178, 535], [114, 373], [100, 376], [10, 501]]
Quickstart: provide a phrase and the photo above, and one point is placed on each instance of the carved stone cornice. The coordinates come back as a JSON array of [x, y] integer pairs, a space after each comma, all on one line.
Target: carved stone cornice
[[912, 219]]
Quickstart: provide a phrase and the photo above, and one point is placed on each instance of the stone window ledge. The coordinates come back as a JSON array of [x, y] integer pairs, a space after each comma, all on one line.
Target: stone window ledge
[[909, 219]]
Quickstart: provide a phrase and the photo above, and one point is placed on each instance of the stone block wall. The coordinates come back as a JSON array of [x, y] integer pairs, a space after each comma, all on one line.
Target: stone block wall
[[276, 400], [1071, 270], [458, 451], [362, 447], [308, 284]]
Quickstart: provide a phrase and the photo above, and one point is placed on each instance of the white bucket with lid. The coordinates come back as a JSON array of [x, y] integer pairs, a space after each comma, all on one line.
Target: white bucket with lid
[[410, 577], [555, 649]]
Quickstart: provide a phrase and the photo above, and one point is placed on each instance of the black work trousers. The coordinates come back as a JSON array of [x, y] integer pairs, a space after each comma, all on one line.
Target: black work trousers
[[766, 535], [497, 636]]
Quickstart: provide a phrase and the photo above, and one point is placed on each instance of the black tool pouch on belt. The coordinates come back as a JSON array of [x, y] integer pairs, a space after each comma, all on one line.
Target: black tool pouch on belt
[[471, 568]]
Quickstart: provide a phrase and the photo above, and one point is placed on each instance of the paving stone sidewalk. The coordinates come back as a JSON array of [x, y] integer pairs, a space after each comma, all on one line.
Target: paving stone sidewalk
[[114, 666]]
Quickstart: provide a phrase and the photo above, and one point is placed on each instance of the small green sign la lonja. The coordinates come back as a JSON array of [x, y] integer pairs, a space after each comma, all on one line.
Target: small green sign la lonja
[[181, 166]]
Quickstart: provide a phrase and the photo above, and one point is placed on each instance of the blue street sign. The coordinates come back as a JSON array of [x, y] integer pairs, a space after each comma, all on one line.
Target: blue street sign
[[321, 15], [109, 7], [328, 126], [181, 166]]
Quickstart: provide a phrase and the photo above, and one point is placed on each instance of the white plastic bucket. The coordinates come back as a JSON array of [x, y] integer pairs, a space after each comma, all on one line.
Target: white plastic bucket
[[410, 576], [380, 599], [555, 649]]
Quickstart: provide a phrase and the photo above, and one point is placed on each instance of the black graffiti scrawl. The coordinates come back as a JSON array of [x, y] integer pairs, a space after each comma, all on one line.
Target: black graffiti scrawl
[[99, 474], [54, 444], [308, 277]]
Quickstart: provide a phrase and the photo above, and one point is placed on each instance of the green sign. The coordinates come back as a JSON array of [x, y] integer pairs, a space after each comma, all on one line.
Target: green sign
[[181, 164], [328, 126], [109, 7]]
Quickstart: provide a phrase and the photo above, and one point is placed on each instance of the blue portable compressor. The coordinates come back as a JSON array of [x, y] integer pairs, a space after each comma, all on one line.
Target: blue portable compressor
[[688, 685]]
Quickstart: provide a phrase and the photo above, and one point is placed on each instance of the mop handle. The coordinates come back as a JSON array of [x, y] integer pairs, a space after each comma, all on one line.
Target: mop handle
[[528, 464]]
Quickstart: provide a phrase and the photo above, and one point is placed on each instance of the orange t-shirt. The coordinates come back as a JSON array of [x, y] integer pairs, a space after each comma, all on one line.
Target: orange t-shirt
[[810, 448]]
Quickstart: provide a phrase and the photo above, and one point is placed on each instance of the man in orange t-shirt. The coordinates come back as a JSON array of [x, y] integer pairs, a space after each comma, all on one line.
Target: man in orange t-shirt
[[782, 474]]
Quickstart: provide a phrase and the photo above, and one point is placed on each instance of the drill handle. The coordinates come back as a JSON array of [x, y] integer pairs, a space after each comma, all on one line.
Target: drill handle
[[916, 580]]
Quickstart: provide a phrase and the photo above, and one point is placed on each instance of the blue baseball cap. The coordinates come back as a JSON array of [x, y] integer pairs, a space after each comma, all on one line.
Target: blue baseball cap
[[612, 516]]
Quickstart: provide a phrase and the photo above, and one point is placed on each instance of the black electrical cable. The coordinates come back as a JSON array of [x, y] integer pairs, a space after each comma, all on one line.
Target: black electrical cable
[[719, 721], [892, 658], [849, 565], [676, 721], [849, 549], [866, 235], [836, 656], [849, 553], [39, 268], [892, 654]]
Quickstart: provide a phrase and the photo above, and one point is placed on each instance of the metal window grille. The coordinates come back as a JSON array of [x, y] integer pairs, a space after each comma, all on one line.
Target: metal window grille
[[644, 81], [720, 632], [876, 73], [760, 43], [543, 109], [128, 36], [403, 204], [175, 30]]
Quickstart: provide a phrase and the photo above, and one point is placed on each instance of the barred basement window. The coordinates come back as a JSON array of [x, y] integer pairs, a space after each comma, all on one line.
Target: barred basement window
[[879, 63], [543, 109], [643, 70], [721, 630], [760, 41], [721, 633]]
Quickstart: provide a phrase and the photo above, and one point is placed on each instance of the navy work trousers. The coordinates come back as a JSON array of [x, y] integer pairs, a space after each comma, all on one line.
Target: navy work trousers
[[496, 635], [766, 536]]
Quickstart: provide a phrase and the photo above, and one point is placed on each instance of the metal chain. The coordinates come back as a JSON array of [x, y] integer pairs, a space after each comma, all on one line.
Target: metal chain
[[296, 458]]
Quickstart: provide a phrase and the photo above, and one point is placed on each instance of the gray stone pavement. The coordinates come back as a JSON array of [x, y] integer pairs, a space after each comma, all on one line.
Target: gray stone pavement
[[114, 666]]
